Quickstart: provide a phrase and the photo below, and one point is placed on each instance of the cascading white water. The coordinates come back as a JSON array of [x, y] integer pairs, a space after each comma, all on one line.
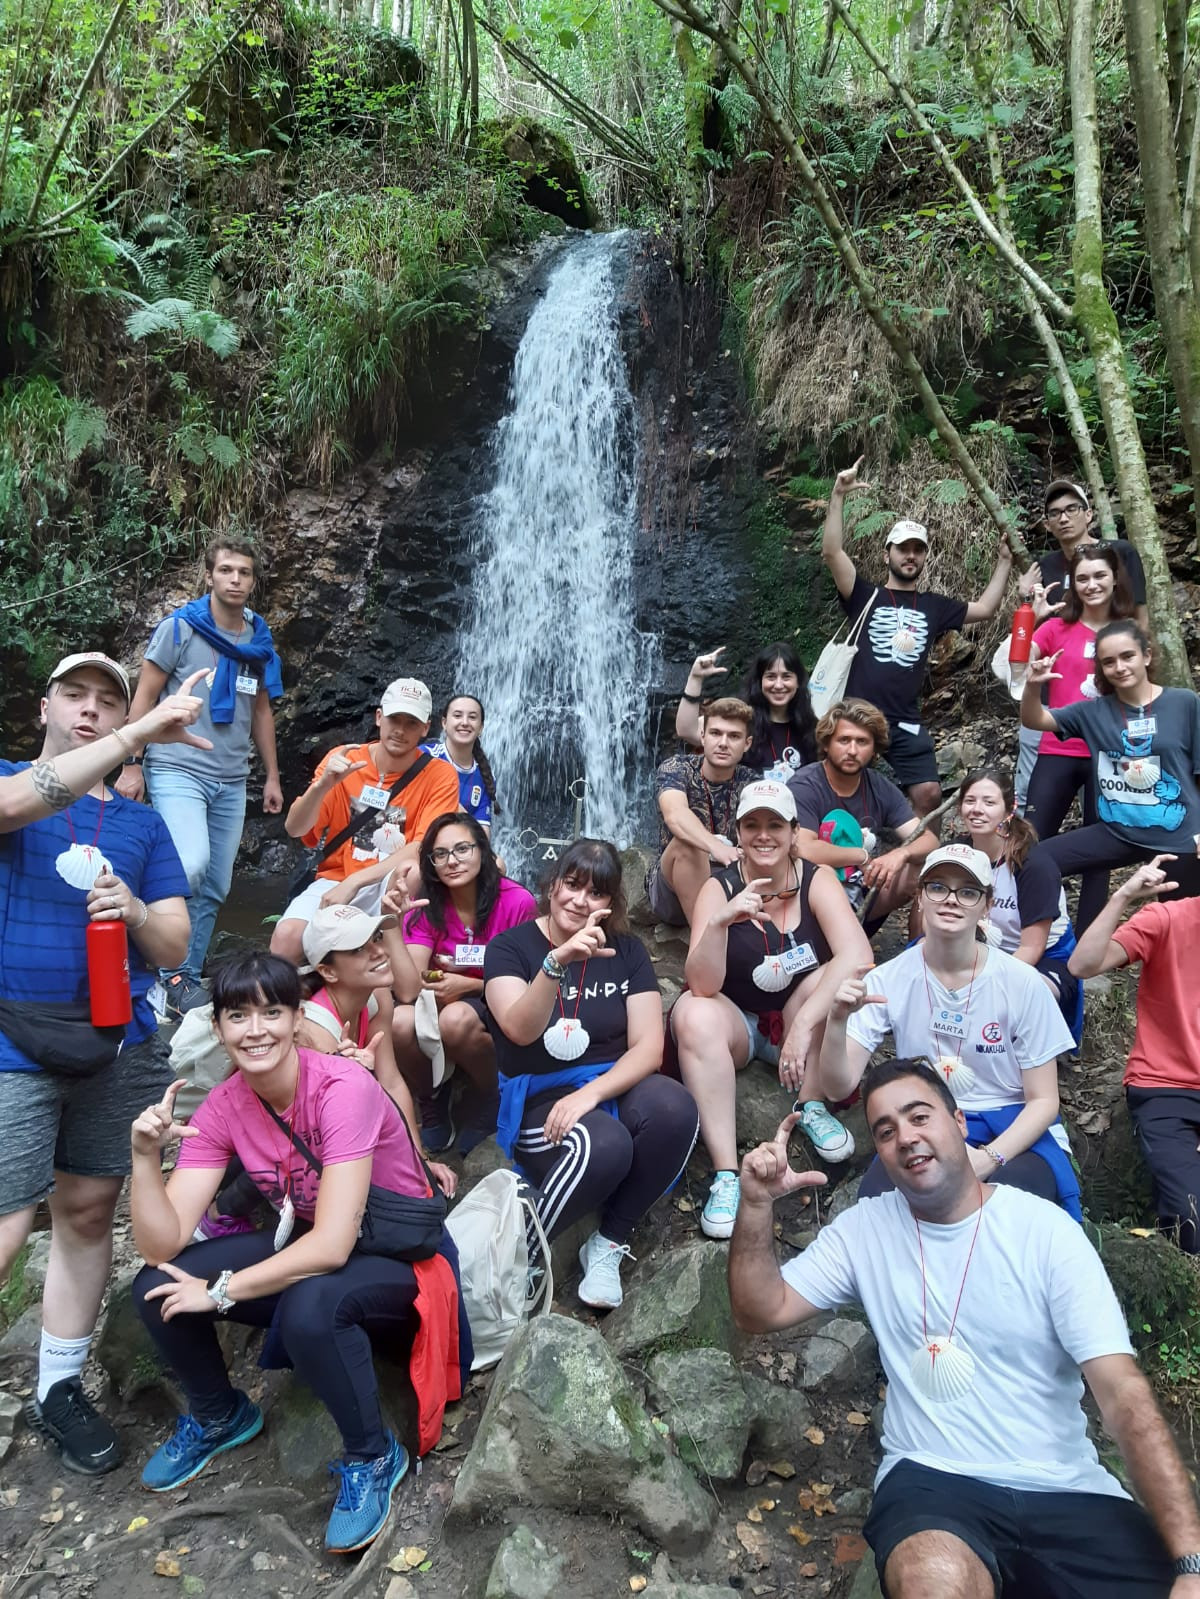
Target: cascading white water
[[551, 647]]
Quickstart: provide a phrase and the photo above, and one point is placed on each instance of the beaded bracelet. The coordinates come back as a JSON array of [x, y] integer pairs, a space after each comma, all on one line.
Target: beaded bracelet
[[990, 1149], [135, 927]]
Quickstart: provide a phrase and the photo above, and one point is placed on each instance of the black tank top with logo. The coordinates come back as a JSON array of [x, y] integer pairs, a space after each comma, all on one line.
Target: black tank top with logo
[[747, 944]]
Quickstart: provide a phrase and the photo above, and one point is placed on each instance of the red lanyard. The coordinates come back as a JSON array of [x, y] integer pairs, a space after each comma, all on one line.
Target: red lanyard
[[966, 1014], [578, 996], [99, 824], [712, 816], [961, 1286]]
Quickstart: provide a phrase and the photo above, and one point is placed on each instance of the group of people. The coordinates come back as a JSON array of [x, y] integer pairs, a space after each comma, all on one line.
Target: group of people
[[415, 1000]]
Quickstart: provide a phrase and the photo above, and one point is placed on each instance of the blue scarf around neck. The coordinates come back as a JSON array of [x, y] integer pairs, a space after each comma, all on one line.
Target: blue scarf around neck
[[258, 651]]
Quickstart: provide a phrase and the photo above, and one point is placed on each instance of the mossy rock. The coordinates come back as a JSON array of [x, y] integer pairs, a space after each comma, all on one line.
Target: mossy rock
[[1157, 1285], [684, 1305], [551, 174]]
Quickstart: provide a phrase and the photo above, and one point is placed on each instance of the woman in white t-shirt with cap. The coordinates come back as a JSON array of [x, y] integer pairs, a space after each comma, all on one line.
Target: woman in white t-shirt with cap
[[772, 939], [986, 1021]]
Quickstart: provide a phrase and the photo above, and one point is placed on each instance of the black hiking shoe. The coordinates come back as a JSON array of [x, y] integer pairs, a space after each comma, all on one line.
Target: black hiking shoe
[[88, 1443]]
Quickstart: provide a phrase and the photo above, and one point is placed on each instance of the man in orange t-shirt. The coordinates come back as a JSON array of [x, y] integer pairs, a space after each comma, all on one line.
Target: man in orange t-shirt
[[355, 779], [1162, 1077]]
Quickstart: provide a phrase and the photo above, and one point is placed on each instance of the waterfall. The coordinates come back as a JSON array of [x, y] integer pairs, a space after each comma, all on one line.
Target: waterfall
[[551, 646]]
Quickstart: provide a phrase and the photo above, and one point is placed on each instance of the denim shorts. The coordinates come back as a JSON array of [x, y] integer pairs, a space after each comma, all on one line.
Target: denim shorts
[[74, 1125]]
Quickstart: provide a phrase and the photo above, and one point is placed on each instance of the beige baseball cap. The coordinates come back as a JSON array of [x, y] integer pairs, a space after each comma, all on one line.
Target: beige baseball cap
[[407, 697], [973, 861], [905, 530], [335, 927], [767, 795], [103, 663]]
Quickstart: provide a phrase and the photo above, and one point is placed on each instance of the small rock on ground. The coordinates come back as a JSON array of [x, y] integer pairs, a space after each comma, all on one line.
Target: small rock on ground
[[524, 1568]]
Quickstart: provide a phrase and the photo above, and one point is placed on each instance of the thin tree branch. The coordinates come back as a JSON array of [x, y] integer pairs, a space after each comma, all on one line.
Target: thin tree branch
[[1004, 247], [73, 110], [136, 143]]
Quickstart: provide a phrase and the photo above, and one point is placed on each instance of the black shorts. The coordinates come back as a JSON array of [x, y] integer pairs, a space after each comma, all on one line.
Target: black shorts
[[910, 756], [1037, 1545]]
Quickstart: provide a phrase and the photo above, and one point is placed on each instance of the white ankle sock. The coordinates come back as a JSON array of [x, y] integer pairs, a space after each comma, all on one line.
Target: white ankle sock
[[59, 1358]]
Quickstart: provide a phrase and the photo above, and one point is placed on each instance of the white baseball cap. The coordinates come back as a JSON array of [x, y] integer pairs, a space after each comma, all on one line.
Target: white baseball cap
[[767, 795], [973, 861], [407, 697], [903, 531], [335, 927], [103, 663]]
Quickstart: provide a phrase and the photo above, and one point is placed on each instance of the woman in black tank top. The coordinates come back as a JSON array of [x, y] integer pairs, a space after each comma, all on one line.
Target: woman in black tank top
[[772, 939]]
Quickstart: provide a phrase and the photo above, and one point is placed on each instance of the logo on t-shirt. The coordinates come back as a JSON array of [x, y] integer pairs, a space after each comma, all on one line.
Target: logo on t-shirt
[[898, 635], [992, 1032]]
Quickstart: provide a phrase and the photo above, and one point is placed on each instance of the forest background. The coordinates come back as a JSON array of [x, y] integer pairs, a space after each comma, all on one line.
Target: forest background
[[963, 236]]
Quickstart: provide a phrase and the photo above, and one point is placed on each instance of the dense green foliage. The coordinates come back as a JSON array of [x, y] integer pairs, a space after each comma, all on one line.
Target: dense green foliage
[[229, 233]]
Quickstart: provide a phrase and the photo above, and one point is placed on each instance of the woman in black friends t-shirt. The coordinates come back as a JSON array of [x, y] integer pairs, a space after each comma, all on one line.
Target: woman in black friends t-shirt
[[761, 962], [578, 1025]]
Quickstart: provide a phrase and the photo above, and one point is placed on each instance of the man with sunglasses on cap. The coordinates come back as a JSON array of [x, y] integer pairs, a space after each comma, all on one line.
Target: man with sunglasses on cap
[[72, 851], [902, 626], [355, 803]]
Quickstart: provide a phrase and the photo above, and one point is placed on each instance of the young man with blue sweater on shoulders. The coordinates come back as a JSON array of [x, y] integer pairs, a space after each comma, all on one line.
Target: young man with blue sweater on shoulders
[[201, 793]]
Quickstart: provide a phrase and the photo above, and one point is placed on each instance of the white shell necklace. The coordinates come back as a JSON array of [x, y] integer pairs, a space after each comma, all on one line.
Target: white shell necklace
[[942, 1370]]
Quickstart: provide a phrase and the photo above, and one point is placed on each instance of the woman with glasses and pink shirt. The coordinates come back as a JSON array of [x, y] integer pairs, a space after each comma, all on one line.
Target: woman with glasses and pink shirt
[[460, 904]]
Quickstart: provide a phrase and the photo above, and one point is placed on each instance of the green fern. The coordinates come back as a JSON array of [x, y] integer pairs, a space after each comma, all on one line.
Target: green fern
[[85, 428]]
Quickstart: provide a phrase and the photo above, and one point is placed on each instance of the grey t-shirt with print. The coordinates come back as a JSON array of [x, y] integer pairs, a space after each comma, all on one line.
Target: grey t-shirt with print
[[229, 759]]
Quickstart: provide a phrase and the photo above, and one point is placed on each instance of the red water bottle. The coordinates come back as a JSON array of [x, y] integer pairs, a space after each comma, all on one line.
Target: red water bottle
[[108, 974], [1021, 639]]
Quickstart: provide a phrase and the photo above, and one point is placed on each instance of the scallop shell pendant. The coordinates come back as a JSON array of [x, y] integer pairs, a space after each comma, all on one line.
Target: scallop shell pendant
[[955, 1073], [287, 1220], [1141, 774], [903, 640], [991, 933], [566, 1039], [770, 975], [942, 1370], [80, 865]]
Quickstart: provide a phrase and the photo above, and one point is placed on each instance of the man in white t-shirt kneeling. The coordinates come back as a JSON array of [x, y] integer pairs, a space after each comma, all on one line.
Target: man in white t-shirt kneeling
[[988, 1305]]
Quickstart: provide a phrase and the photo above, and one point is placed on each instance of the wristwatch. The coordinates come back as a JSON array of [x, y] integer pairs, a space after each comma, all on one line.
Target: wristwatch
[[1188, 1566], [132, 760], [217, 1292]]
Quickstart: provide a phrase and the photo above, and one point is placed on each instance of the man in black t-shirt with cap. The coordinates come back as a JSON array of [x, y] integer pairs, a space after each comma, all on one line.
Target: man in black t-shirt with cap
[[901, 629]]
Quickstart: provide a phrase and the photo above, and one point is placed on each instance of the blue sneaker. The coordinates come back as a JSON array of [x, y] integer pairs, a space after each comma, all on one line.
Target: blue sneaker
[[364, 1499], [193, 1445], [437, 1123]]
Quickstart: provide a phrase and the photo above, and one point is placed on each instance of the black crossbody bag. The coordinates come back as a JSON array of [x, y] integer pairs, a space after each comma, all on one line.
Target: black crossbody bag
[[316, 859], [401, 1226]]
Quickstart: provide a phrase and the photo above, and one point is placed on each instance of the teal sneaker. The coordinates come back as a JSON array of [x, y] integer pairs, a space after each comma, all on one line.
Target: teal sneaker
[[193, 1445], [721, 1207], [364, 1498], [825, 1133]]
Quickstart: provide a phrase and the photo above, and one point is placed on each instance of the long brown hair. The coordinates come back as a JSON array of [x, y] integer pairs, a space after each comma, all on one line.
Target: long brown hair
[[1122, 603], [1021, 835]]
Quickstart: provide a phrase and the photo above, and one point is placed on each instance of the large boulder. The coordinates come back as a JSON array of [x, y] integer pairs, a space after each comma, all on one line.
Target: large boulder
[[564, 1428], [524, 1568], [547, 165], [683, 1305], [635, 863], [761, 1104], [778, 1418], [700, 1396]]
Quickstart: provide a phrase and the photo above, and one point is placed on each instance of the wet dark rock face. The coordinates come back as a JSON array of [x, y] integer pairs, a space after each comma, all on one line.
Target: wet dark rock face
[[371, 580]]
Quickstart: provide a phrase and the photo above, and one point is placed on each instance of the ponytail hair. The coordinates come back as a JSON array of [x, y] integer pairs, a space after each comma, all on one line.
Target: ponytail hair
[[1021, 835], [481, 760]]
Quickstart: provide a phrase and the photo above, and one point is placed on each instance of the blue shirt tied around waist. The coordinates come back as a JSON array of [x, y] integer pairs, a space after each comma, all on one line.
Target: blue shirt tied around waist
[[985, 1125], [258, 652], [514, 1091]]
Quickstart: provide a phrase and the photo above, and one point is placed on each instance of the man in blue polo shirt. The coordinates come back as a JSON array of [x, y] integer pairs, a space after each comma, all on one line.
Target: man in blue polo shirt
[[73, 852]]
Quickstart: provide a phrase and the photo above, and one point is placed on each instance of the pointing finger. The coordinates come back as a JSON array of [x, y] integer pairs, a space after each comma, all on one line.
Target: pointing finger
[[167, 1103], [784, 1131], [189, 683]]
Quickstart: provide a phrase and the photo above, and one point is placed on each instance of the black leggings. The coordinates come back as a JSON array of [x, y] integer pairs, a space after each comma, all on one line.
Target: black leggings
[[1098, 849], [1167, 1122], [1054, 784], [622, 1163], [1026, 1171], [325, 1324]]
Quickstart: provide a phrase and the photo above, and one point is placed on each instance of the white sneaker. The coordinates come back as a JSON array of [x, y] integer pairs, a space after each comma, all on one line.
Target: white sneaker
[[601, 1261], [825, 1133], [721, 1207]]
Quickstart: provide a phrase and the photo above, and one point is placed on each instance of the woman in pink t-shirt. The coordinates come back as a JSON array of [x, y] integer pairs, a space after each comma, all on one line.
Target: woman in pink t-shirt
[[465, 903], [314, 1132], [1098, 592]]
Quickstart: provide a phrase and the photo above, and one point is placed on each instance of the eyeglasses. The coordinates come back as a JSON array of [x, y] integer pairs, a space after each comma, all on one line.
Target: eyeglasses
[[1060, 513], [460, 852], [966, 894]]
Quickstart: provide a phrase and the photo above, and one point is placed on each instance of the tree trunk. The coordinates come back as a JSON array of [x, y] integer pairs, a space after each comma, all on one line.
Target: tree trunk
[[1094, 315], [1175, 296]]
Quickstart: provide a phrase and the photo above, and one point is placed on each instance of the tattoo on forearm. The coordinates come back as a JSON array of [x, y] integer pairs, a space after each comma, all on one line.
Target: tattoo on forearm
[[49, 787]]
